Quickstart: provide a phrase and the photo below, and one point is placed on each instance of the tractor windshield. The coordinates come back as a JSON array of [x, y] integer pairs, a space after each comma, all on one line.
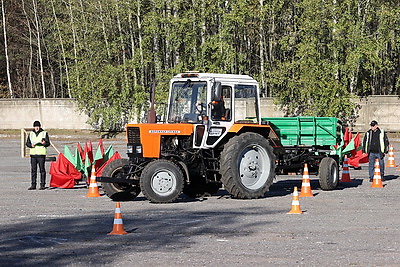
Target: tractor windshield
[[188, 101]]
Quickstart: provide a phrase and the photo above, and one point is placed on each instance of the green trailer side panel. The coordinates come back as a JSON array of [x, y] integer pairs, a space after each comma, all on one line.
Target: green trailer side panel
[[307, 131]]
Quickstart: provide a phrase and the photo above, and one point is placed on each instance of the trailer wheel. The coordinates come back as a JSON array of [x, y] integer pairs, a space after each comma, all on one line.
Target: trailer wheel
[[247, 166], [328, 173], [118, 191], [161, 181]]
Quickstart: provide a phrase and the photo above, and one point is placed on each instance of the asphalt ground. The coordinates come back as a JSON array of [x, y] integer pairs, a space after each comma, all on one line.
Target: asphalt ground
[[354, 225]]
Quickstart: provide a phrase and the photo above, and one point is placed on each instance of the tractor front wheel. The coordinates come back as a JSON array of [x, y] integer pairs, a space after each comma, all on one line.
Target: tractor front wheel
[[161, 181]]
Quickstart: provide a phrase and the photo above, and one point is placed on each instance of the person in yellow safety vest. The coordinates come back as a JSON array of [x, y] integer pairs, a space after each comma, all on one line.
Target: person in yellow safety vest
[[376, 145], [38, 141]]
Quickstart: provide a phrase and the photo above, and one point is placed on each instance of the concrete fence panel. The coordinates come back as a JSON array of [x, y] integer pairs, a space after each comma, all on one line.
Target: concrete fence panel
[[63, 113], [54, 113]]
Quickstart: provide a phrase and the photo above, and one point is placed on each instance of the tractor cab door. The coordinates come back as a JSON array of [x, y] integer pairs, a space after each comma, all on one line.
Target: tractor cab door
[[220, 114]]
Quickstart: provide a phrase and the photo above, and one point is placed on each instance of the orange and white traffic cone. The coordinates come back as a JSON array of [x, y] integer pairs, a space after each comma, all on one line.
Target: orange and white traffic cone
[[93, 189], [118, 228], [391, 158], [377, 181], [295, 203], [305, 183], [345, 171]]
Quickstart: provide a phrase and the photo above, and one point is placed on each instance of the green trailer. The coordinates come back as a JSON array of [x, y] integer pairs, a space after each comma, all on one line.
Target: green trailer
[[308, 140], [306, 131]]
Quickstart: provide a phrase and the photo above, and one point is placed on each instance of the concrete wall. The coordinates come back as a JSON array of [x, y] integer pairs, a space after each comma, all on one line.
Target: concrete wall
[[52, 113], [384, 109], [63, 113], [380, 108]]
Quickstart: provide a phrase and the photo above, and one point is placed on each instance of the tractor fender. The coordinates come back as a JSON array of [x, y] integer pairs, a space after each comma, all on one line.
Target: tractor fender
[[186, 170]]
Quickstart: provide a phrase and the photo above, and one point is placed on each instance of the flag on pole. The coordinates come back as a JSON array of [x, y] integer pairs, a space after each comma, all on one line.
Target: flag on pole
[[99, 154], [357, 156], [108, 154], [98, 158], [88, 151], [68, 155], [81, 152], [348, 136], [88, 165], [78, 160], [101, 146], [350, 146]]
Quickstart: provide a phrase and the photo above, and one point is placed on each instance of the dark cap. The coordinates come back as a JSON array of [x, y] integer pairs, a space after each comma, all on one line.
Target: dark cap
[[373, 123], [36, 123]]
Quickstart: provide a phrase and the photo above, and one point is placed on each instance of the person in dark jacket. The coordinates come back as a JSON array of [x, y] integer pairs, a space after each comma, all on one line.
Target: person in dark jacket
[[218, 109], [376, 145], [38, 141]]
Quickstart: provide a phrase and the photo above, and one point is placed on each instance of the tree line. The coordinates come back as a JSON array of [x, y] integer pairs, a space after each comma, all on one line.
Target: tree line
[[312, 56]]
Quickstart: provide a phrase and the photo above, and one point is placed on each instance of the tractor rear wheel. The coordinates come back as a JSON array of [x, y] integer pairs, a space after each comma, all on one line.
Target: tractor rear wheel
[[247, 166]]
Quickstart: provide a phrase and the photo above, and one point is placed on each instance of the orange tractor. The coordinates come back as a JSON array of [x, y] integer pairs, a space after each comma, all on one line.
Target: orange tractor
[[212, 136]]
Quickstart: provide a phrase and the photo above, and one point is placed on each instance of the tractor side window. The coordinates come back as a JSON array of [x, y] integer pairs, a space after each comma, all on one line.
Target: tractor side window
[[246, 106]]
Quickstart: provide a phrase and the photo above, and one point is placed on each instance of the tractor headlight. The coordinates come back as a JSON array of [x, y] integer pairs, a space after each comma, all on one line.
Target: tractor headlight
[[139, 149], [130, 149]]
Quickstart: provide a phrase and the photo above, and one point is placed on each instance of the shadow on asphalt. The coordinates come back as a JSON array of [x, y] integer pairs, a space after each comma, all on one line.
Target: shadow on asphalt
[[352, 184], [391, 177], [284, 188], [82, 239], [277, 189]]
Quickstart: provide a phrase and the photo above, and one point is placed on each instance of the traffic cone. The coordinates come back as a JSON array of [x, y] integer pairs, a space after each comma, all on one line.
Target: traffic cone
[[391, 158], [377, 182], [118, 228], [345, 171], [93, 189], [295, 203], [305, 183]]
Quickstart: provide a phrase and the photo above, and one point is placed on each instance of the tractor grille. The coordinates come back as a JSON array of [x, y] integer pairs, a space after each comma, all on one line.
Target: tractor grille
[[133, 135]]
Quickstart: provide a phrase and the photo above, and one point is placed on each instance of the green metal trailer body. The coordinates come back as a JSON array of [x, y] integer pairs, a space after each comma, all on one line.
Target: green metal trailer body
[[307, 140], [306, 131]]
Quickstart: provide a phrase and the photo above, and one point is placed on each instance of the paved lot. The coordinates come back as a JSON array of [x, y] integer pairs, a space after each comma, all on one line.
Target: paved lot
[[354, 225]]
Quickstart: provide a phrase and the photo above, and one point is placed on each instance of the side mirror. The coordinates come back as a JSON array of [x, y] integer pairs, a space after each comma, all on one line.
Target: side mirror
[[158, 118], [216, 91]]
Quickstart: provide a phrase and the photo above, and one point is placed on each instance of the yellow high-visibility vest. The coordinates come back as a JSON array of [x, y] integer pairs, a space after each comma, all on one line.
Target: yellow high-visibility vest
[[40, 149]]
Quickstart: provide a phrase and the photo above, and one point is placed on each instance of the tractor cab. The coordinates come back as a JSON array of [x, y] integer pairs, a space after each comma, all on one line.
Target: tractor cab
[[213, 103], [200, 97]]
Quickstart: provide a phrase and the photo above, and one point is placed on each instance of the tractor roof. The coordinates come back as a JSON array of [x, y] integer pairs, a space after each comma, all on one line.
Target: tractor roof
[[236, 78]]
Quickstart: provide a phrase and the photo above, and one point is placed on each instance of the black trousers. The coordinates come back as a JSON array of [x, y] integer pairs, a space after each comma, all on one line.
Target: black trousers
[[35, 161]]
